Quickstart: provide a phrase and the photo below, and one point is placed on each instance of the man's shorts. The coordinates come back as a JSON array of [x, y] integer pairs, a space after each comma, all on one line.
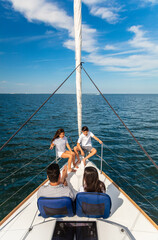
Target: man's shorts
[[87, 148]]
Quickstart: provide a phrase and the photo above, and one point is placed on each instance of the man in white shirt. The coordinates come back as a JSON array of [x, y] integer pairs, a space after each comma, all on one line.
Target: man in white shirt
[[56, 187], [84, 143]]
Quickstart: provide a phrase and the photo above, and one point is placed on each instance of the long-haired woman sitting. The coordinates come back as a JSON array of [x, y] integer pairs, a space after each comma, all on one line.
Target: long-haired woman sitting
[[60, 141], [91, 182]]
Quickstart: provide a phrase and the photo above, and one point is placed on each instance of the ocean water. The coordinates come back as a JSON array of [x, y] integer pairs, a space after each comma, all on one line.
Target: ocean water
[[128, 167]]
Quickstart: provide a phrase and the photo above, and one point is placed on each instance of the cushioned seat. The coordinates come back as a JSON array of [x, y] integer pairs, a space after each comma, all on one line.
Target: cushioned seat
[[93, 205], [55, 207]]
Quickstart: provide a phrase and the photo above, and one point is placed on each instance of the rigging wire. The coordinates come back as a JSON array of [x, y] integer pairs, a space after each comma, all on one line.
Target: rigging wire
[[121, 120], [128, 183], [30, 163], [24, 166], [130, 165], [38, 109], [26, 184], [124, 161]]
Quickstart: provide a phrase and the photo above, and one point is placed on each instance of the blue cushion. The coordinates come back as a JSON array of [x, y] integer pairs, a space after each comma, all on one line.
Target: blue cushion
[[93, 205], [55, 207]]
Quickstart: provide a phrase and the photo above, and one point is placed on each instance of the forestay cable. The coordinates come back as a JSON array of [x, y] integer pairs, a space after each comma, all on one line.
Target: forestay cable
[[38, 108], [122, 121]]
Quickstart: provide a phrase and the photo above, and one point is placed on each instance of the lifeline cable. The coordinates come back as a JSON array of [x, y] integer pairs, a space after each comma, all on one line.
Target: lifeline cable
[[129, 183], [121, 158], [26, 184], [23, 166], [121, 120], [38, 109]]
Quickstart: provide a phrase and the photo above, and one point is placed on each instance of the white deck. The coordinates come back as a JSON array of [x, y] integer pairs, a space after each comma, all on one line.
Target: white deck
[[125, 222]]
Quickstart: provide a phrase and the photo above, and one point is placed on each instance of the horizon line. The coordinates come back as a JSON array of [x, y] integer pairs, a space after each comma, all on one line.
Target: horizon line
[[82, 93]]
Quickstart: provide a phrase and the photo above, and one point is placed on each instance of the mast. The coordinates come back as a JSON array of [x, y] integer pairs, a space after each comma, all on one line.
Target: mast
[[78, 45]]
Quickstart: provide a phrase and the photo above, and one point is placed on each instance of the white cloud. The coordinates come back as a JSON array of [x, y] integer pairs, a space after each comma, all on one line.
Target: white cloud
[[140, 57], [47, 12], [50, 13], [139, 41], [125, 64], [154, 2], [91, 2], [89, 43], [27, 38], [3, 82], [21, 84], [105, 13], [139, 54], [110, 47], [125, 52]]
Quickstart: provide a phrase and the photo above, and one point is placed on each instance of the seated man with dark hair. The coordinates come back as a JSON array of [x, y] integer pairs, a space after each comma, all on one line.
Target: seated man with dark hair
[[84, 144], [56, 187]]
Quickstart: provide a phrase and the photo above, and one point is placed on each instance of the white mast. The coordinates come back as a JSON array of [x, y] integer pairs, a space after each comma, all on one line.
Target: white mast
[[78, 45]]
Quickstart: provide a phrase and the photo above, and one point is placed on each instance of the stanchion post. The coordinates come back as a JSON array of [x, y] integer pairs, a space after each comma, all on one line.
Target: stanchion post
[[56, 157]]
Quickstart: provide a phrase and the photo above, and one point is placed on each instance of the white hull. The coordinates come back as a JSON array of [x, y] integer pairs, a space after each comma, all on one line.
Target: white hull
[[127, 220]]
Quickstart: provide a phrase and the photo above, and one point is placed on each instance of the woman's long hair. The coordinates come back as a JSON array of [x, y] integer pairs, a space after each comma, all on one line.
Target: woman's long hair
[[60, 130], [91, 182]]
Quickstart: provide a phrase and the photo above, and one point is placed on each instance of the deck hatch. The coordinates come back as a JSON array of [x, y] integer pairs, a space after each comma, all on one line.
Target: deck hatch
[[77, 230]]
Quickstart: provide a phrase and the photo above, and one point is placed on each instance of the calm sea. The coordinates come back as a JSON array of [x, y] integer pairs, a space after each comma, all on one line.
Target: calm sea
[[128, 167]]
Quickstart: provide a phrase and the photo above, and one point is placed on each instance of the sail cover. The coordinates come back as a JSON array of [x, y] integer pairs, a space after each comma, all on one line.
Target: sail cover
[[78, 45]]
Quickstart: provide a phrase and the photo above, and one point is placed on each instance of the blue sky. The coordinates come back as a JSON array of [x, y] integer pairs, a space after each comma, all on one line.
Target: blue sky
[[120, 45]]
